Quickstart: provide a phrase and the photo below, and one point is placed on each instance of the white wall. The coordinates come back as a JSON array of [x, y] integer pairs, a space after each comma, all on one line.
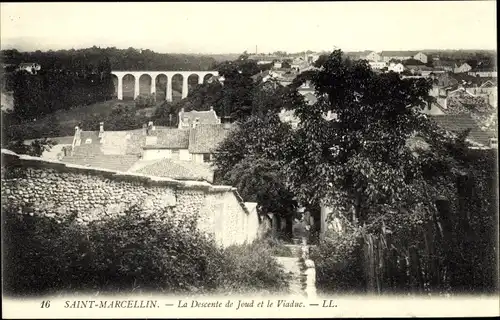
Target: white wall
[[185, 155], [197, 157], [154, 154]]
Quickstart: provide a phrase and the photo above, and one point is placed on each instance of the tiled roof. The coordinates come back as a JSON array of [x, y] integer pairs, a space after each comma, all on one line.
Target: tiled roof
[[204, 117], [444, 63], [458, 123], [170, 138], [27, 64], [461, 102], [310, 98], [179, 170], [484, 69], [112, 142], [398, 53], [205, 138], [111, 162], [464, 77], [258, 76], [489, 83]]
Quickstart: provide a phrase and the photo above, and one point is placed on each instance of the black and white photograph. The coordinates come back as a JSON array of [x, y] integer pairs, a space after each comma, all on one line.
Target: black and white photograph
[[249, 159]]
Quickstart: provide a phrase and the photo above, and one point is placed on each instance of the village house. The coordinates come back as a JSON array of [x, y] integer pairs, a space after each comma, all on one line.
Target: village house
[[179, 153], [277, 64], [31, 67], [193, 118], [387, 56], [421, 57], [396, 67], [463, 68], [299, 64], [373, 56], [483, 72], [377, 65], [423, 70], [311, 57], [445, 65], [458, 123], [358, 55]]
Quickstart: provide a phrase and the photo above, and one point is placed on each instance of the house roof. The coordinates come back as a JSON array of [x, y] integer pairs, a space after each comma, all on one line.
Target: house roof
[[489, 83], [484, 69], [469, 79], [105, 161], [310, 98], [463, 102], [258, 76], [205, 138], [398, 53], [204, 117], [27, 64], [444, 63], [170, 138], [458, 123], [179, 170]]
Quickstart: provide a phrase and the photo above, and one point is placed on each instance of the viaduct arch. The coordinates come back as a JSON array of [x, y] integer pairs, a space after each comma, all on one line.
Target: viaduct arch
[[154, 74]]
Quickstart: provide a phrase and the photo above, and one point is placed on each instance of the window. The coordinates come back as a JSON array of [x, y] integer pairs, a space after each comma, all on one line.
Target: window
[[207, 157], [494, 143]]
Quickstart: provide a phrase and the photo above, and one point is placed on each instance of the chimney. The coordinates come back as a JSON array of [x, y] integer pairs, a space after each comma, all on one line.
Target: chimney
[[145, 129], [226, 124], [211, 108], [101, 129]]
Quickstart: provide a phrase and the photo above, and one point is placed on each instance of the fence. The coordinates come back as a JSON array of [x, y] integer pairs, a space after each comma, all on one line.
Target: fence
[[454, 252]]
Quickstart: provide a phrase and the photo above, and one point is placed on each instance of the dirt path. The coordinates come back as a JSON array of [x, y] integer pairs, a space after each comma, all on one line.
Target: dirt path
[[292, 266]]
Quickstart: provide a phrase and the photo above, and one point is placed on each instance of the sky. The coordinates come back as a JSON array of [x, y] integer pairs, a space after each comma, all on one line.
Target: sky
[[220, 27]]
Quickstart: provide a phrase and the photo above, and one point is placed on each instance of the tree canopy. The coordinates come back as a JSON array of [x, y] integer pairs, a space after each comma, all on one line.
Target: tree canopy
[[360, 162]]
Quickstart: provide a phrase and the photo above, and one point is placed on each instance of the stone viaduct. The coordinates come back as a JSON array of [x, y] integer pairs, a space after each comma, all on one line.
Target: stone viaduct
[[154, 77]]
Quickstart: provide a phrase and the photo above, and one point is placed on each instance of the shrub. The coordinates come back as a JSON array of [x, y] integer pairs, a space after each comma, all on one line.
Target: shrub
[[251, 267], [278, 248], [338, 263], [130, 252], [145, 101]]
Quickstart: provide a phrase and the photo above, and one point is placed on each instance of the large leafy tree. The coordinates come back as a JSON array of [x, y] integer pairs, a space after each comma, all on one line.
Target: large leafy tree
[[251, 160], [359, 162], [383, 165]]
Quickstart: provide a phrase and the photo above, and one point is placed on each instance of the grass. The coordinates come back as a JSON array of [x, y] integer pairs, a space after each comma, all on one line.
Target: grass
[[279, 249], [64, 121]]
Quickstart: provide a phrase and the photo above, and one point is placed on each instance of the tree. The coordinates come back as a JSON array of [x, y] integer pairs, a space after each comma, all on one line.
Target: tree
[[286, 65], [250, 159], [36, 148], [384, 166], [358, 163]]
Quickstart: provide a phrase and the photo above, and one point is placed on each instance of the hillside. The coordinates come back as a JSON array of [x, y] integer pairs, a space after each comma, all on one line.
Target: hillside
[[120, 59]]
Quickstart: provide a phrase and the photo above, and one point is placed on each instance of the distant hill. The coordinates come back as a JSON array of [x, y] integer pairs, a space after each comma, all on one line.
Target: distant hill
[[224, 56], [120, 59]]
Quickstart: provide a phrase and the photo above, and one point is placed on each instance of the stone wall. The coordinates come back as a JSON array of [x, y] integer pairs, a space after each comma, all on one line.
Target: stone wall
[[53, 189]]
